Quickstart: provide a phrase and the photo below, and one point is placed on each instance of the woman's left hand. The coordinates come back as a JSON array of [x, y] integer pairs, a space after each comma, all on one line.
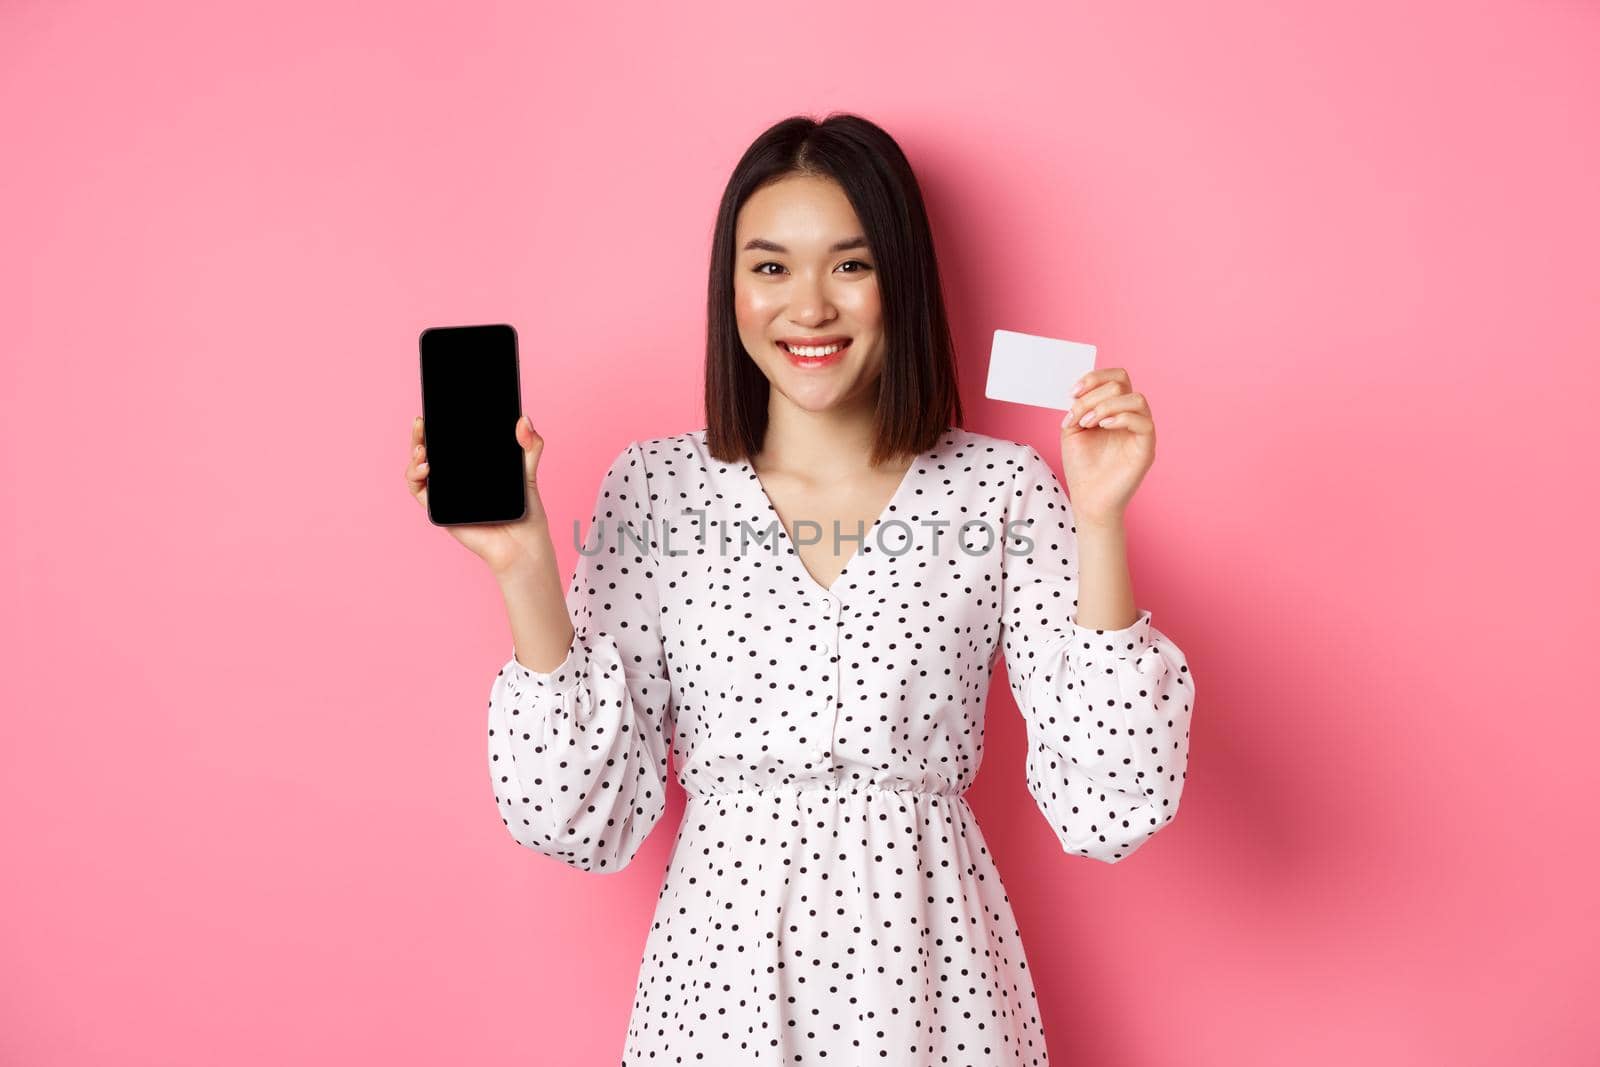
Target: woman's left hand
[[1105, 461]]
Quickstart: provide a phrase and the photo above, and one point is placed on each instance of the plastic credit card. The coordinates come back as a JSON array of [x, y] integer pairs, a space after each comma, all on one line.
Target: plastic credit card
[[1041, 371]]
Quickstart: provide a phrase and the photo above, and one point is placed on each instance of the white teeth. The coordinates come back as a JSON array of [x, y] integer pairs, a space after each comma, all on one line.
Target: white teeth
[[812, 351]]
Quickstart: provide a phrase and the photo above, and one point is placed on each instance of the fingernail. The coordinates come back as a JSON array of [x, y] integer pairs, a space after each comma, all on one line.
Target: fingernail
[[1077, 387], [1087, 419]]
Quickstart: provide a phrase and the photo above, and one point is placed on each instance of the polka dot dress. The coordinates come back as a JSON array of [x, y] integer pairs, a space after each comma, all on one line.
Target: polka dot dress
[[829, 898]]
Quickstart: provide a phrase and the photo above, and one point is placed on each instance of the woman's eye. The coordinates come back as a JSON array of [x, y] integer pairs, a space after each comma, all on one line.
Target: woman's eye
[[759, 267]]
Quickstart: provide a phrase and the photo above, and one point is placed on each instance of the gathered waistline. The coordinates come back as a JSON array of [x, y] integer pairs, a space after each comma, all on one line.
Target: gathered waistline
[[836, 788]]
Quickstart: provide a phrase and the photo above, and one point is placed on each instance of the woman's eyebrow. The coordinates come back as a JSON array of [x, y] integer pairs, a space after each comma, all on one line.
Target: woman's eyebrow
[[764, 245]]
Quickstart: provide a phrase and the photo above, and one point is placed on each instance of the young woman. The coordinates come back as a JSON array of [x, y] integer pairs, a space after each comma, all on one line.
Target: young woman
[[804, 601]]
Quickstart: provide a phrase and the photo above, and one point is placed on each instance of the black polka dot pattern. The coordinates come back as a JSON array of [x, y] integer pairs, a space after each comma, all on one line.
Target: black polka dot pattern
[[830, 898]]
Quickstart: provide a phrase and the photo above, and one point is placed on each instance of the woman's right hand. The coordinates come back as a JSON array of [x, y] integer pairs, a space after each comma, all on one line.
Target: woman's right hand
[[503, 546]]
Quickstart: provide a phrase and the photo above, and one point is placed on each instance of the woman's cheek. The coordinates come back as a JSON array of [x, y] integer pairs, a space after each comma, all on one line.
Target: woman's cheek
[[753, 307], [862, 303]]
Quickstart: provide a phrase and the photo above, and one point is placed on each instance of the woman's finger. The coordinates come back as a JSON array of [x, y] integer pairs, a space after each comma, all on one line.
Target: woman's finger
[[1122, 402], [532, 449], [1128, 420], [419, 452], [416, 476], [1094, 413], [417, 466], [1097, 395], [1099, 376]]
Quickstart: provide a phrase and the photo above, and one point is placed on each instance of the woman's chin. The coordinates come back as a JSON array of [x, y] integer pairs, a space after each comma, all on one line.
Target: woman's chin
[[815, 397]]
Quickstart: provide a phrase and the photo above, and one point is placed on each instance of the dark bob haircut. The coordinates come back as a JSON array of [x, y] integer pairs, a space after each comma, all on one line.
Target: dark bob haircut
[[918, 398]]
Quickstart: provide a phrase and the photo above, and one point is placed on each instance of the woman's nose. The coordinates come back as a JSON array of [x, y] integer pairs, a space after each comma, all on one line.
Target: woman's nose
[[808, 303]]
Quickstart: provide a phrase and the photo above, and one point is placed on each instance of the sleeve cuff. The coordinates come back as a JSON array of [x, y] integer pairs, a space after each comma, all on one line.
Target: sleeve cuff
[[1082, 642], [575, 666], [1082, 646], [1127, 642]]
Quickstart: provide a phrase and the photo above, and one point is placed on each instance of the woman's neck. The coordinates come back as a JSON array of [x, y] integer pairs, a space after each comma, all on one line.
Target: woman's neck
[[824, 446]]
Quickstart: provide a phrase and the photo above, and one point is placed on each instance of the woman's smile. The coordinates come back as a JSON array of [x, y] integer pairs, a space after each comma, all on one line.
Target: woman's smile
[[822, 352]]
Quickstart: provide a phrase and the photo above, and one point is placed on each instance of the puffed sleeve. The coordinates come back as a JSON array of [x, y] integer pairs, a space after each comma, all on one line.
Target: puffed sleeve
[[1107, 711], [578, 754]]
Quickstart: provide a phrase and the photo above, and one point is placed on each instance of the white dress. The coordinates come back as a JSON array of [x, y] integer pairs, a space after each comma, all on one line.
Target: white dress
[[829, 898]]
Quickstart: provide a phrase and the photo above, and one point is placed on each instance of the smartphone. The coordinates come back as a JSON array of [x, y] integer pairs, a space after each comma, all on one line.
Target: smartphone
[[471, 400]]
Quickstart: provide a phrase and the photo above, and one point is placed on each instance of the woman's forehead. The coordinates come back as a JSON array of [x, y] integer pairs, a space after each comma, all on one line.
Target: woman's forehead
[[798, 212]]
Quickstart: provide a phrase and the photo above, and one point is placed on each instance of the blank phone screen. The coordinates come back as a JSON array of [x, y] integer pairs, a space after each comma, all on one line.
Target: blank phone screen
[[471, 400]]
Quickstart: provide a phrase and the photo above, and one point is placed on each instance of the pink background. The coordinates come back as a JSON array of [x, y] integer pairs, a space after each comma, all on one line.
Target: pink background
[[1348, 253]]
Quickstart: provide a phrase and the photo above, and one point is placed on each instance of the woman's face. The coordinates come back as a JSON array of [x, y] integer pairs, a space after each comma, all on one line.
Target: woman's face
[[803, 274]]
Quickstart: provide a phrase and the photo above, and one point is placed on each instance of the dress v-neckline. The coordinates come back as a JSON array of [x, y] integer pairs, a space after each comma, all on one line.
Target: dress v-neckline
[[793, 550]]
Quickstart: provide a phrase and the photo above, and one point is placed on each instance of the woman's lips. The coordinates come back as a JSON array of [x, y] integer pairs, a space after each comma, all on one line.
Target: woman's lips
[[815, 342], [812, 362]]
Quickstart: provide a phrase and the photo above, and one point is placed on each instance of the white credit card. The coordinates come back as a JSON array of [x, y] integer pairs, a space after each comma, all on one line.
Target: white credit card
[[1041, 371]]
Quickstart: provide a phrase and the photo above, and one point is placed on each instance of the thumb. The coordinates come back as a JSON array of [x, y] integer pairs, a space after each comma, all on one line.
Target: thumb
[[532, 447]]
